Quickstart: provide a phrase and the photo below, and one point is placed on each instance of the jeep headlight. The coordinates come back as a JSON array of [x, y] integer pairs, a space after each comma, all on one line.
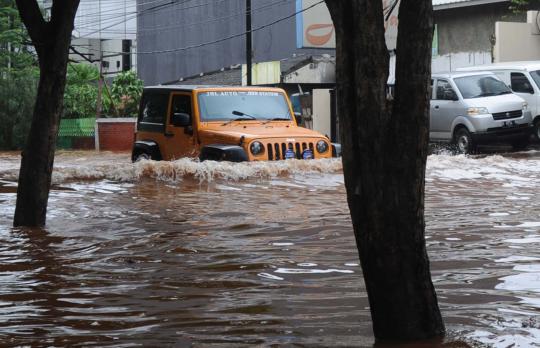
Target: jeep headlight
[[525, 106], [477, 111], [256, 148], [322, 146]]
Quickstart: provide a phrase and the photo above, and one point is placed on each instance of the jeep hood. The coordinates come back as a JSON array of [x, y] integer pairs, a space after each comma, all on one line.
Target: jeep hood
[[252, 130]]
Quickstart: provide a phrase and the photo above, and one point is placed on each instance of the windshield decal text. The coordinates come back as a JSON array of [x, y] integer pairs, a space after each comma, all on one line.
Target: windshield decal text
[[241, 93]]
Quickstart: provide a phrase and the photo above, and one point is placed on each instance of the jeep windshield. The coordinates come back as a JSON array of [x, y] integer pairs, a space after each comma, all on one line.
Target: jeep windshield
[[478, 86], [243, 105]]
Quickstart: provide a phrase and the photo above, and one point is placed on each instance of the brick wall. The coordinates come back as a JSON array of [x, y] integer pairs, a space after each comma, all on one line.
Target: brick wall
[[83, 143], [115, 135]]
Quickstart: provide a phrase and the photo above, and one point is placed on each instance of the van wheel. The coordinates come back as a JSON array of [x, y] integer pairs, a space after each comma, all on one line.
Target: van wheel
[[520, 144], [142, 156], [536, 129], [464, 141]]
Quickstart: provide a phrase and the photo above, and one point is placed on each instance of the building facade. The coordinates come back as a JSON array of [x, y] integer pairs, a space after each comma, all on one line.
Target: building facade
[[465, 34], [105, 34], [183, 39], [175, 39]]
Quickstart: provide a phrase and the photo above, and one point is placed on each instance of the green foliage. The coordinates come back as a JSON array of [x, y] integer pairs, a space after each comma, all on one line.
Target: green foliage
[[19, 77], [81, 91], [521, 6], [126, 92], [80, 98], [17, 95]]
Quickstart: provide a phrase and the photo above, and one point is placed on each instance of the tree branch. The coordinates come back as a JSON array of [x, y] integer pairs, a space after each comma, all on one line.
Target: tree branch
[[63, 12], [32, 19]]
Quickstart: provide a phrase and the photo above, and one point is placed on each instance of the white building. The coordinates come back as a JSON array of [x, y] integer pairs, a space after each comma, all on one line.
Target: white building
[[105, 31]]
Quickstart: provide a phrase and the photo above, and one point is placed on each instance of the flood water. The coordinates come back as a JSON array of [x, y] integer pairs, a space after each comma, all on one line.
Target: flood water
[[188, 254]]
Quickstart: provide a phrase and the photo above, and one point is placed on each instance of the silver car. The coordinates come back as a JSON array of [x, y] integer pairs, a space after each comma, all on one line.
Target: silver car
[[476, 108]]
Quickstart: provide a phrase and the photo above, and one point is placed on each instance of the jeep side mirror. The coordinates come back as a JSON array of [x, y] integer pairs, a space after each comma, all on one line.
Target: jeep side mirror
[[180, 119], [298, 117]]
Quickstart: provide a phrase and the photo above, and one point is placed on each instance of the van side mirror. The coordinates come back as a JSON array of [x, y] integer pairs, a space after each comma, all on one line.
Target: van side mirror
[[180, 119]]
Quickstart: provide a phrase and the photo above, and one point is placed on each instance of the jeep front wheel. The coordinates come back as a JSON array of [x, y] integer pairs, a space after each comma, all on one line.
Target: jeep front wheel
[[142, 156]]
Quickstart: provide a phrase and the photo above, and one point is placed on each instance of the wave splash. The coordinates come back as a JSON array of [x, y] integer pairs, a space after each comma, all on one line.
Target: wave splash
[[173, 171], [522, 169]]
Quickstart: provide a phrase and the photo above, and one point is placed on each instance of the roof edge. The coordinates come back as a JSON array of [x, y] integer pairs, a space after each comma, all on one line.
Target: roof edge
[[468, 3]]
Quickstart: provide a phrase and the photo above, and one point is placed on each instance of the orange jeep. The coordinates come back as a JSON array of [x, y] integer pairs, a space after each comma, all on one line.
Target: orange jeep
[[223, 124]]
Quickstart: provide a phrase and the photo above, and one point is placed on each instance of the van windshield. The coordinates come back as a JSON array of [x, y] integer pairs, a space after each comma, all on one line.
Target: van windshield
[[536, 77], [478, 86], [239, 105]]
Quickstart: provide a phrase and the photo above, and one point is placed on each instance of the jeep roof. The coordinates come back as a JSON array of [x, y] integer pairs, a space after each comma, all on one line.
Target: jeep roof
[[199, 87]]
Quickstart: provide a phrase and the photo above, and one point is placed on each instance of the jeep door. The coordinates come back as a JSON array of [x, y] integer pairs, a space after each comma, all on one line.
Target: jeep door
[[152, 117], [443, 110], [181, 139]]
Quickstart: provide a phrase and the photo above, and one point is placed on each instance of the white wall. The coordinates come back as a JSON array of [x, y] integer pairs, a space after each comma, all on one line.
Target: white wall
[[321, 111], [451, 62], [516, 41], [316, 72]]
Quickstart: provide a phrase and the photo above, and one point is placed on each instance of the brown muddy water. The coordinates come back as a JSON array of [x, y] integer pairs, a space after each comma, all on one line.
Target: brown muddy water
[[188, 254]]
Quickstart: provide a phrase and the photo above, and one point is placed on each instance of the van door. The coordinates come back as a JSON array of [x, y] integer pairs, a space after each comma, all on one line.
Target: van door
[[443, 111], [534, 76], [181, 141], [522, 86]]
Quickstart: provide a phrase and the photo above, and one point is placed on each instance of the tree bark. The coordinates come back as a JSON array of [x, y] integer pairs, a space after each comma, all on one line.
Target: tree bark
[[51, 40], [384, 159]]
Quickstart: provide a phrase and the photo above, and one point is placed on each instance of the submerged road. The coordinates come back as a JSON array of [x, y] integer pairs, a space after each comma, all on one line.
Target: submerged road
[[256, 254]]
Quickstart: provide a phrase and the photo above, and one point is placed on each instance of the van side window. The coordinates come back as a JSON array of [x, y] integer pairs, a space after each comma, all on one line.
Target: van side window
[[442, 87], [181, 104], [154, 108], [520, 83], [431, 89]]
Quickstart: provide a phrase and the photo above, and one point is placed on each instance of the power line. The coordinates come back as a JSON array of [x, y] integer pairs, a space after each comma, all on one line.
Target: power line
[[258, 9], [96, 16], [151, 9], [225, 38]]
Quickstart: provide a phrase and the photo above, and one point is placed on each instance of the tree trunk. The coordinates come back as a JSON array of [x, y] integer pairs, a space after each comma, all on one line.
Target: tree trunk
[[384, 159], [51, 40], [8, 135]]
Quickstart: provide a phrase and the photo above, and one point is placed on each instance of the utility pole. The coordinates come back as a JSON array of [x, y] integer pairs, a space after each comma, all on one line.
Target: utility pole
[[248, 43], [99, 101]]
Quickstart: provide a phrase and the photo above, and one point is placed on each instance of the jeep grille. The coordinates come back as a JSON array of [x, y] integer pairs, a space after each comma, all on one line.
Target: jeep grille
[[276, 151]]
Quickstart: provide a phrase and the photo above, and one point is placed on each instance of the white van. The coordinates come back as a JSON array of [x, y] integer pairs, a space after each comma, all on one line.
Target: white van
[[524, 80], [477, 108]]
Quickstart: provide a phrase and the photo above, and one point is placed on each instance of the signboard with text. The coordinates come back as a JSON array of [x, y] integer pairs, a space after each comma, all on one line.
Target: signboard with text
[[314, 27]]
